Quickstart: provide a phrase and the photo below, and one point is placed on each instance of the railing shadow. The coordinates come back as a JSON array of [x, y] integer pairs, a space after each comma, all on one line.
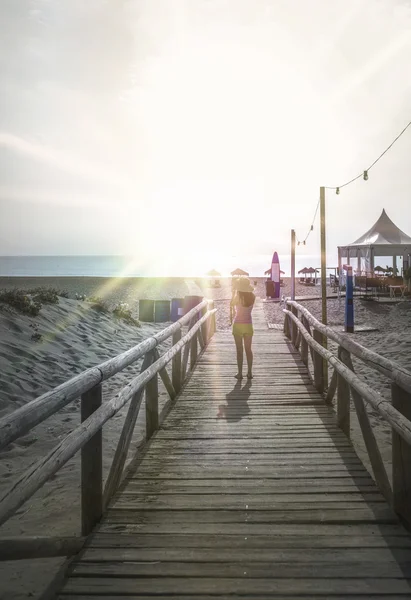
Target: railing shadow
[[386, 526]]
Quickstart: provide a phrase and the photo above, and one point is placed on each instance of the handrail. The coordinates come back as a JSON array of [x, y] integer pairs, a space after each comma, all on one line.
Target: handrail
[[87, 437], [297, 327], [25, 418], [387, 367], [381, 405], [28, 483]]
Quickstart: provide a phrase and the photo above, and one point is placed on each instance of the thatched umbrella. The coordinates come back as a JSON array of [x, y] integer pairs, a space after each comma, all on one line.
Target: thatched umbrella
[[239, 272], [379, 269], [215, 275], [303, 271]]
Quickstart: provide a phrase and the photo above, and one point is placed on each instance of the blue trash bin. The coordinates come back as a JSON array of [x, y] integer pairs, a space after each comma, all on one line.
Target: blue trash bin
[[177, 310], [161, 311]]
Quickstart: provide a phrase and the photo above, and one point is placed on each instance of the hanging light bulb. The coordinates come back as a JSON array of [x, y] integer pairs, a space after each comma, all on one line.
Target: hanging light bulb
[[337, 191], [365, 175], [304, 242], [298, 243], [312, 227]]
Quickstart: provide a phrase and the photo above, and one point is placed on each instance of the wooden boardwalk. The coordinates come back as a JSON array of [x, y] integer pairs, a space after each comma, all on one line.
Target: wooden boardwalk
[[250, 490]]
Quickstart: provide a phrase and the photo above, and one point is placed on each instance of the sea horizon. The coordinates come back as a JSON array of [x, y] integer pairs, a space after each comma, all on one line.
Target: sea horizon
[[117, 265]]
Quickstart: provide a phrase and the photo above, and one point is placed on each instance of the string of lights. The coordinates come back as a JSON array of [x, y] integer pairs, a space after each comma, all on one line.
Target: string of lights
[[363, 174], [303, 242]]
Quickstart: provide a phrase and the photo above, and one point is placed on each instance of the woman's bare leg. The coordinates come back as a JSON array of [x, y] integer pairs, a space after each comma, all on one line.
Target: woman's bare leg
[[239, 347], [249, 354]]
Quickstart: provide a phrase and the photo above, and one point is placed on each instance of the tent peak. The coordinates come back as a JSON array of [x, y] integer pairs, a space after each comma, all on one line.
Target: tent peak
[[383, 232]]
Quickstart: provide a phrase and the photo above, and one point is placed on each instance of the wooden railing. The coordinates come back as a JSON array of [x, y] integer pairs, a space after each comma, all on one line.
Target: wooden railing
[[307, 334], [88, 436]]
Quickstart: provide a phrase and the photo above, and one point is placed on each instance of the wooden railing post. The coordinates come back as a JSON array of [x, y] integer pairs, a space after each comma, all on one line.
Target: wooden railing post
[[176, 364], [343, 397], [304, 350], [186, 352], [374, 453], [294, 328], [204, 328], [193, 351], [91, 465], [200, 338], [332, 388], [306, 324], [401, 457], [120, 455], [318, 364], [213, 326], [287, 326], [152, 406]]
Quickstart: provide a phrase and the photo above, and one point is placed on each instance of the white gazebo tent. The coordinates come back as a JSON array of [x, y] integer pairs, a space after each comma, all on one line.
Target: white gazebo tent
[[383, 239]]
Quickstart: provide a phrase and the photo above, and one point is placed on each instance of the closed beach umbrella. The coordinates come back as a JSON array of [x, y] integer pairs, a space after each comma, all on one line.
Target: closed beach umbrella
[[268, 272]]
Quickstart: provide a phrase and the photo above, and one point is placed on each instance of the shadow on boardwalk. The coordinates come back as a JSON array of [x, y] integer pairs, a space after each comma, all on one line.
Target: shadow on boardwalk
[[366, 487], [237, 403]]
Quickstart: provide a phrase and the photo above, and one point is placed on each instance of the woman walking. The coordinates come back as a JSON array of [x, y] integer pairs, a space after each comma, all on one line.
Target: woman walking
[[241, 306]]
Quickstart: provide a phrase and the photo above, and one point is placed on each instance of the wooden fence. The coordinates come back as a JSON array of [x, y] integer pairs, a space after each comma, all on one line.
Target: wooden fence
[[88, 436], [309, 336]]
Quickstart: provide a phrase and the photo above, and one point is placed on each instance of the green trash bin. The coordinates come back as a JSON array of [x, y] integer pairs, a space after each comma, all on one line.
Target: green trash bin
[[146, 311]]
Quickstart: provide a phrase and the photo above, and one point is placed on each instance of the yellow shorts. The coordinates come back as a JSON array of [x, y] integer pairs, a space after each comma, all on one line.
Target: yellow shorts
[[242, 329]]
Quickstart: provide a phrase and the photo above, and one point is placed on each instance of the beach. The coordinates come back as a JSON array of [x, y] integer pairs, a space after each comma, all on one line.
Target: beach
[[40, 352]]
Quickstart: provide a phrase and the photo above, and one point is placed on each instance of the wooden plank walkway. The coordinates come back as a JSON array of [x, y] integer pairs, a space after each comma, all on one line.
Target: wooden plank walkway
[[248, 490]]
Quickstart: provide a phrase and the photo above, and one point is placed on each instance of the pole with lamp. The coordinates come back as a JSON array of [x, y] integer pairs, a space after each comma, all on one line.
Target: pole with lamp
[[292, 264], [323, 262], [323, 276]]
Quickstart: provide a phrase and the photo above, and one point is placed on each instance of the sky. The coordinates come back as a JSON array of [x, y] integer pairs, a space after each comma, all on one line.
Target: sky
[[195, 134]]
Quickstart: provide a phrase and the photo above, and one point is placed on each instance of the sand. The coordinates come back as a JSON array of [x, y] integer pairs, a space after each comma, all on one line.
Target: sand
[[74, 337]]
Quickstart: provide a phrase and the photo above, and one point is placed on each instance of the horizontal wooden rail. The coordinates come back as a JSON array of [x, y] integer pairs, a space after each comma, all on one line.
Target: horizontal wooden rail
[[21, 548], [387, 367], [27, 484], [381, 405], [25, 418]]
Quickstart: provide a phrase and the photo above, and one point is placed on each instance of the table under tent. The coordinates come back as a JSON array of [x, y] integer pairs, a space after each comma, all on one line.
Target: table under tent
[[383, 239]]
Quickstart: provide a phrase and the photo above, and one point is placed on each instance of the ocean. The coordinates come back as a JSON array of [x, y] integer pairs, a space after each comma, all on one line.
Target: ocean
[[121, 266], [68, 266]]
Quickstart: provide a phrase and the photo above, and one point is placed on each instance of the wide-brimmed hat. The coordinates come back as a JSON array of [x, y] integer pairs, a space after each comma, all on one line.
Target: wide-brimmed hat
[[243, 284]]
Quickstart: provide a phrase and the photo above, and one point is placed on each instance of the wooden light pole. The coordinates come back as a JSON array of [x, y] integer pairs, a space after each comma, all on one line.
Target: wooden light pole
[[292, 264], [323, 277]]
